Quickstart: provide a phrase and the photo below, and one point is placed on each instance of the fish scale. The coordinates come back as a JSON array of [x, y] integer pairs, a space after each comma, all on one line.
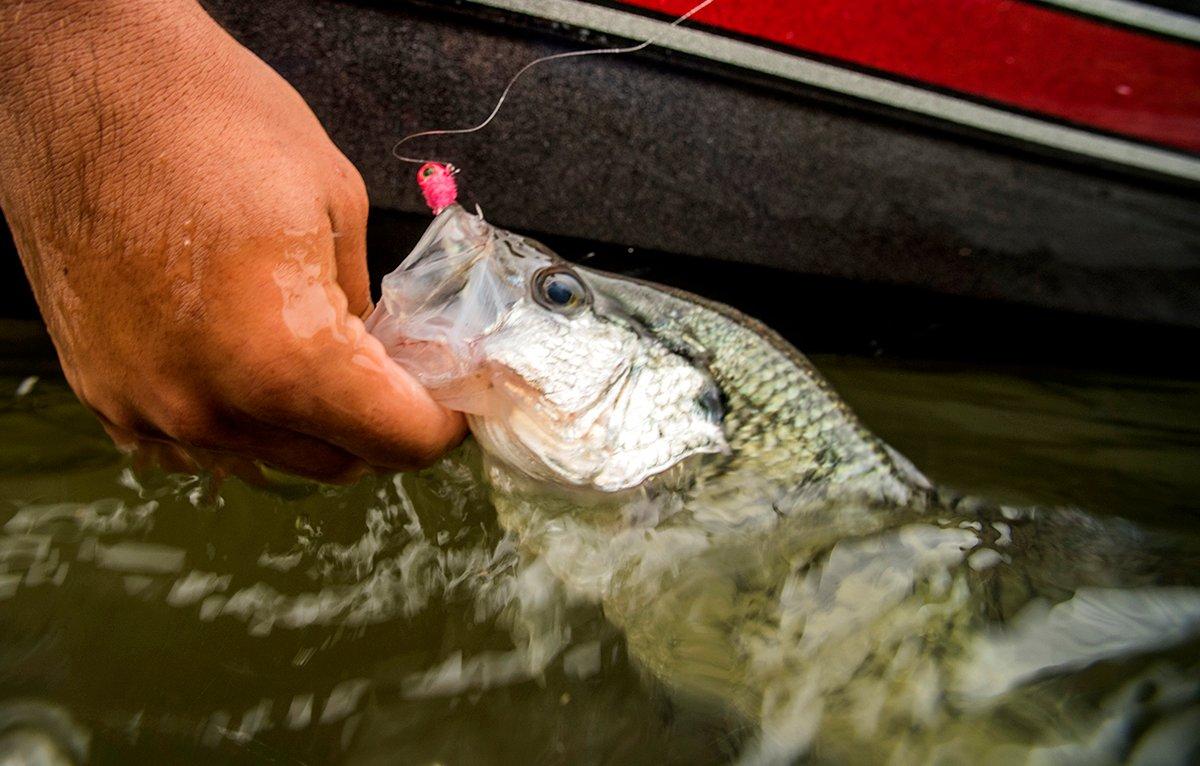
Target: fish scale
[[800, 573], [782, 419]]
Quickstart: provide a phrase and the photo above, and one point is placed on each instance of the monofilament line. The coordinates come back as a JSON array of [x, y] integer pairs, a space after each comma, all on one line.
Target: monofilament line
[[567, 55]]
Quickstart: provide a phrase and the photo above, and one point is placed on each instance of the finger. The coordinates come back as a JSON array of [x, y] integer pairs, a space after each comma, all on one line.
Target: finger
[[169, 456], [354, 397], [300, 454], [148, 452], [348, 212], [227, 444], [235, 437]]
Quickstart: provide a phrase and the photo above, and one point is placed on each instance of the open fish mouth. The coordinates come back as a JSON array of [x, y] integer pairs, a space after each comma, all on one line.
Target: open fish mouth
[[443, 297], [556, 378]]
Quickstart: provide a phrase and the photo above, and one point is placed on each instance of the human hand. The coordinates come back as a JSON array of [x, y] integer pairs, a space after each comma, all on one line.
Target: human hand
[[196, 243]]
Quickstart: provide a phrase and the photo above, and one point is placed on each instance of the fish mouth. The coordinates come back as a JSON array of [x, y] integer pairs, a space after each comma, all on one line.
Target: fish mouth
[[438, 268], [560, 396], [450, 292]]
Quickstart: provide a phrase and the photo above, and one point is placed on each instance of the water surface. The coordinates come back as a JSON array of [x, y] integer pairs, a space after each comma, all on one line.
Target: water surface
[[149, 617]]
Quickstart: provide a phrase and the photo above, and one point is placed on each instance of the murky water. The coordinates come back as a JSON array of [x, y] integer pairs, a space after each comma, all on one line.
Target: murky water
[[162, 619]]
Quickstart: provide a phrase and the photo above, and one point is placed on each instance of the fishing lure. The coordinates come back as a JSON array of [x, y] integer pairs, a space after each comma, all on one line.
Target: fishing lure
[[436, 179], [438, 185]]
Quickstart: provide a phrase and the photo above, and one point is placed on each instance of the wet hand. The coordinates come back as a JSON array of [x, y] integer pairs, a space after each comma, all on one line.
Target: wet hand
[[196, 243]]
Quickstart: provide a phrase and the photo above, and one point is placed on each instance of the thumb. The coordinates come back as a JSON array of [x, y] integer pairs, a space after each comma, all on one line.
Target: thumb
[[355, 397]]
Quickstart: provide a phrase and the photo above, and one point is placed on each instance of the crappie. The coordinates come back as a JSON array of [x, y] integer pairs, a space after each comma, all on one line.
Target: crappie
[[684, 466], [601, 382]]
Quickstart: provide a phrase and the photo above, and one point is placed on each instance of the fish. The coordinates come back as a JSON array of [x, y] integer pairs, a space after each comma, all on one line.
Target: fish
[[763, 552], [602, 382]]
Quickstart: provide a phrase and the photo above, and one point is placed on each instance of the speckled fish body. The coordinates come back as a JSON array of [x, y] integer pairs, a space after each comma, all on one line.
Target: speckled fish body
[[782, 420], [591, 380], [683, 466]]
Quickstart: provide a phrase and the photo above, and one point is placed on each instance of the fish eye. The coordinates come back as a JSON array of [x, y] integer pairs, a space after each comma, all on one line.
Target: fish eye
[[559, 290]]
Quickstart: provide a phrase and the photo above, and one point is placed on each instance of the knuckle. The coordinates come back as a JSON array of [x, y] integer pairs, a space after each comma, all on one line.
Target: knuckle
[[189, 430], [117, 411], [354, 199], [123, 417], [192, 423]]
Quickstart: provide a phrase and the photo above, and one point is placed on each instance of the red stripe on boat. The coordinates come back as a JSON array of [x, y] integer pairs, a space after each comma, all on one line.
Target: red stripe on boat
[[1026, 56]]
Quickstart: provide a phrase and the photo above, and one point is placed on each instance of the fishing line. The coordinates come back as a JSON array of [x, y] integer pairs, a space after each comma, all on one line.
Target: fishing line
[[553, 57]]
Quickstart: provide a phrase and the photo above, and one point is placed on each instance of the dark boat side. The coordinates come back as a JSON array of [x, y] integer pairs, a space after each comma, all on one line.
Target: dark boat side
[[774, 192], [653, 153]]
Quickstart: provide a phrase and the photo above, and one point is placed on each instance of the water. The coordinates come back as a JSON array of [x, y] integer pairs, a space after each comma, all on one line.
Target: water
[[158, 618]]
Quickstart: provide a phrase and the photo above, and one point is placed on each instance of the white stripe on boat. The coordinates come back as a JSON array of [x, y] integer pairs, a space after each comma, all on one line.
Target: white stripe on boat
[[1138, 15], [867, 87]]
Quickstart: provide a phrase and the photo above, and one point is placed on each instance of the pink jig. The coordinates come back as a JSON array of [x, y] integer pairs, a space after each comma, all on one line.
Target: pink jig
[[438, 185]]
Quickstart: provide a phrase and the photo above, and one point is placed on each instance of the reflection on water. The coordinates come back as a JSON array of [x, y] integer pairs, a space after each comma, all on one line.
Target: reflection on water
[[164, 618]]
